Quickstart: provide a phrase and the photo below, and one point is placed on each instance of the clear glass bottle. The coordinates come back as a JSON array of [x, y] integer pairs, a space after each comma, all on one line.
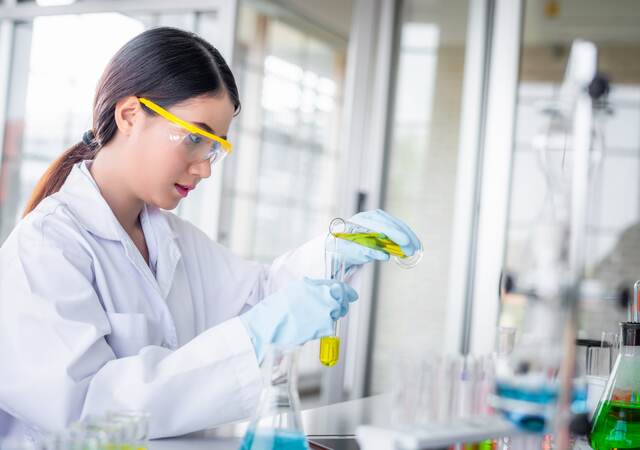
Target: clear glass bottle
[[277, 424], [616, 423]]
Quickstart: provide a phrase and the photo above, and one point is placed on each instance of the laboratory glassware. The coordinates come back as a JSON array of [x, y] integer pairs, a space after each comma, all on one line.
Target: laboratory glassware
[[135, 424], [366, 237], [277, 423], [334, 270], [616, 423]]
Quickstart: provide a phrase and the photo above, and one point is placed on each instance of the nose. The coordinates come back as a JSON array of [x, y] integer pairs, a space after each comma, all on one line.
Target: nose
[[201, 169]]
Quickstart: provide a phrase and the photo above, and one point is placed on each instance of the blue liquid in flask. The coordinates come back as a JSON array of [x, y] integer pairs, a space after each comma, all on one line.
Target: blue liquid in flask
[[276, 423], [274, 439]]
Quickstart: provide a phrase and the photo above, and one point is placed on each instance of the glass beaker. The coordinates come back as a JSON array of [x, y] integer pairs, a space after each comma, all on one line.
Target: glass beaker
[[366, 237], [277, 423], [616, 423], [526, 377], [136, 425], [334, 270]]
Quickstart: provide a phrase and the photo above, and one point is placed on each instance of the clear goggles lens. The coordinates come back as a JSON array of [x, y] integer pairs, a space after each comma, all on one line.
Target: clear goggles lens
[[197, 148]]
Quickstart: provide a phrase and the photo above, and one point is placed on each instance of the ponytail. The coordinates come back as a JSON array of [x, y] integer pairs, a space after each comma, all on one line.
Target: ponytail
[[56, 174]]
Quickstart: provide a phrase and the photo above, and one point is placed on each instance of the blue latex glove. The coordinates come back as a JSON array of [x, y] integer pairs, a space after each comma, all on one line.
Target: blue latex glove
[[303, 311], [382, 222]]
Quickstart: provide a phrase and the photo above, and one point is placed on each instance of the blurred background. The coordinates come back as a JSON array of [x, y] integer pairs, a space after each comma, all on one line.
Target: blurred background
[[426, 108]]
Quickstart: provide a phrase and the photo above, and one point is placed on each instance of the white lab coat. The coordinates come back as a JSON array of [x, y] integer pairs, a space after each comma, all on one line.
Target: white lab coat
[[86, 326]]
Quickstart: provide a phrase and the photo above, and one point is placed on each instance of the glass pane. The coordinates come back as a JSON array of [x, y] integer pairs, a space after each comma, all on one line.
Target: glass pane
[[614, 231], [279, 184], [54, 75], [411, 309], [291, 82]]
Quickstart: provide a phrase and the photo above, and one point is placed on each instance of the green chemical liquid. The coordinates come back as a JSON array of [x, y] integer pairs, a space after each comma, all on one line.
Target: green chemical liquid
[[616, 426], [278, 439], [484, 445], [376, 241], [489, 444]]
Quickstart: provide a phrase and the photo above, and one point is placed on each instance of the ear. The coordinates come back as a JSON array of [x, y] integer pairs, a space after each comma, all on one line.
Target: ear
[[128, 112]]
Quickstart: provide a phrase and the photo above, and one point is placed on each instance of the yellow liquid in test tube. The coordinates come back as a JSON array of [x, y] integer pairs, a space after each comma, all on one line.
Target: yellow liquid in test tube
[[329, 350], [376, 241]]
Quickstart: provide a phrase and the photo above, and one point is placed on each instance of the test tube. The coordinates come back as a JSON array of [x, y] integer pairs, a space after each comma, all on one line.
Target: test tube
[[335, 269], [634, 311]]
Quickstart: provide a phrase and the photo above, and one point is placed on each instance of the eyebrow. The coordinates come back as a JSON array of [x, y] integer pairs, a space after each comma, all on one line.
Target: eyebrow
[[206, 127]]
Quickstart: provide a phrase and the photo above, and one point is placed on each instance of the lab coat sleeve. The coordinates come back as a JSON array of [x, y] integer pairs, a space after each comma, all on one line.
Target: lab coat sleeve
[[57, 365], [306, 261], [239, 284]]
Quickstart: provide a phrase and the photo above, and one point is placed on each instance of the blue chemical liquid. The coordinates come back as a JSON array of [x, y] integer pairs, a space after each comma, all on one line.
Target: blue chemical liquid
[[274, 439], [540, 396], [520, 412]]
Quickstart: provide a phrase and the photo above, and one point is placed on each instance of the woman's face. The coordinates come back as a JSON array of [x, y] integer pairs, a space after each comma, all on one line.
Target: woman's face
[[162, 163]]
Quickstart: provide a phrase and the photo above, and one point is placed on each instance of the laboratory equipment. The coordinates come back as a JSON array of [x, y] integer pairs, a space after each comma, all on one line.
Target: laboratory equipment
[[634, 304], [135, 425], [616, 423], [120, 430], [330, 348], [375, 240], [539, 388], [304, 310], [277, 424], [334, 270]]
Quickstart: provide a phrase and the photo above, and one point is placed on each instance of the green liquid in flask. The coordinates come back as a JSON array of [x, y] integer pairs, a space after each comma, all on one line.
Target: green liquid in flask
[[489, 444], [376, 241], [616, 426]]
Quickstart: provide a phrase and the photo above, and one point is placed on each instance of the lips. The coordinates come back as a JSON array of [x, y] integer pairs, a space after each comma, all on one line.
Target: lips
[[183, 190]]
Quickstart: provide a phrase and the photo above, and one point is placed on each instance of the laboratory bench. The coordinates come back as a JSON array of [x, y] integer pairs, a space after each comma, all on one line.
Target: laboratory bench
[[333, 426]]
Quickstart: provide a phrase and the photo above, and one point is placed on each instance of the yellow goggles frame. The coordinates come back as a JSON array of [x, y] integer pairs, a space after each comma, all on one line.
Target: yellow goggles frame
[[226, 145]]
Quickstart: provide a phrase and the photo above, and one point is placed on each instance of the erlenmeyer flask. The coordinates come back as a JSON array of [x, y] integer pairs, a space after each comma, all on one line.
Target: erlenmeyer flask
[[616, 423], [277, 424]]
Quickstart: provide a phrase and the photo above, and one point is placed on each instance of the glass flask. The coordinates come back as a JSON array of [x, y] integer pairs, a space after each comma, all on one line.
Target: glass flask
[[277, 424], [616, 423], [361, 235]]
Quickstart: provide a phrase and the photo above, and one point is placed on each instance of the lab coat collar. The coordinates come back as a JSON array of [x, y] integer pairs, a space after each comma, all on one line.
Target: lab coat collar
[[82, 196]]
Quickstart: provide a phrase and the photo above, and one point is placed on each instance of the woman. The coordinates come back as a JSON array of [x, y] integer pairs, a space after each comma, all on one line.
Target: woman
[[110, 302]]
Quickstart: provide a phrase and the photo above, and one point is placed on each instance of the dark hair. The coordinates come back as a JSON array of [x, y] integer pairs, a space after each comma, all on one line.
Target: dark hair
[[165, 65]]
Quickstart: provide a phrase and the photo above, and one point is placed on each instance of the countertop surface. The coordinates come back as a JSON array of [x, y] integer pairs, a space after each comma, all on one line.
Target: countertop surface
[[337, 420]]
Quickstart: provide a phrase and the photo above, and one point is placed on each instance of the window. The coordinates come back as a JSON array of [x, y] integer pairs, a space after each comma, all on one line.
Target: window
[[279, 187], [51, 94], [613, 240], [421, 178]]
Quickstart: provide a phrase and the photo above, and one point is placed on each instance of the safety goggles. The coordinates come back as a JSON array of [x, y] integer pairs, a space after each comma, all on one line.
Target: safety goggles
[[200, 145]]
